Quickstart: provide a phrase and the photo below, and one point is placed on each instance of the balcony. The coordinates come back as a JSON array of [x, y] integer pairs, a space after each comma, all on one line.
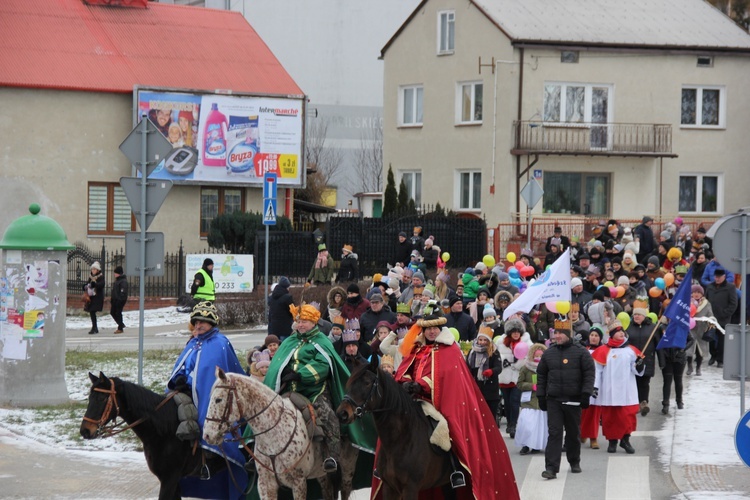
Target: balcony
[[592, 139]]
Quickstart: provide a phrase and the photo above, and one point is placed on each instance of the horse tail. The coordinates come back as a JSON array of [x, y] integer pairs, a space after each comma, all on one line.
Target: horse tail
[[410, 339]]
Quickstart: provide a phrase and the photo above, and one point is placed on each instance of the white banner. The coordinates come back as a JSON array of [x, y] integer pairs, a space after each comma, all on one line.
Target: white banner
[[552, 286], [232, 273]]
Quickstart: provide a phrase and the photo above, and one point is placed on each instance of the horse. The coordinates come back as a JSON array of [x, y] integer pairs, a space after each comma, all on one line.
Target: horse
[[406, 461], [284, 452], [153, 418]]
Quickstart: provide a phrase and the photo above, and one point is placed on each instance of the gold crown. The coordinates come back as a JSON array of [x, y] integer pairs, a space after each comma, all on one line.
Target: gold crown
[[563, 324], [386, 360]]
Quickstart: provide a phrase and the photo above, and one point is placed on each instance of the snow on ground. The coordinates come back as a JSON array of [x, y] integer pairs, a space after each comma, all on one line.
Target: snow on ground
[[151, 317]]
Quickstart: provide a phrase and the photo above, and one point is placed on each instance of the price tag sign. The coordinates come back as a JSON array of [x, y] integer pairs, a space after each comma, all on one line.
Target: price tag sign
[[288, 166], [266, 162]]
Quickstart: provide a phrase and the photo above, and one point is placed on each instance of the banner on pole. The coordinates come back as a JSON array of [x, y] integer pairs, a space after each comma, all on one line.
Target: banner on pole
[[553, 285]]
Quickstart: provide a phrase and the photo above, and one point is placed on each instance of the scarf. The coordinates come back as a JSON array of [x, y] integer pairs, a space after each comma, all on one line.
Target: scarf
[[532, 365], [322, 260], [478, 359], [600, 354]]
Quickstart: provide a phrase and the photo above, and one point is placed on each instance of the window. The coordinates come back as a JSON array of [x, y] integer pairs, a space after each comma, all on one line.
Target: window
[[469, 103], [705, 62], [109, 210], [413, 182], [702, 107], [700, 193], [583, 103], [469, 190], [569, 56], [576, 193], [410, 107], [217, 201], [446, 31]]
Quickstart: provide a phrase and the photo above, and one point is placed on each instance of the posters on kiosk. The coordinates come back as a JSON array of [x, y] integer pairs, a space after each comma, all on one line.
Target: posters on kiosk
[[229, 139], [232, 273]]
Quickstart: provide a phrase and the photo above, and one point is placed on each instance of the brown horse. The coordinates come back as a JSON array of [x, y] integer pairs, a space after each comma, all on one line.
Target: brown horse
[[154, 421], [406, 462]]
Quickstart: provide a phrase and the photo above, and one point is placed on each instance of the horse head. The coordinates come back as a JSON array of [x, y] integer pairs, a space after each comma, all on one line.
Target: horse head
[[103, 406], [362, 394], [223, 408]]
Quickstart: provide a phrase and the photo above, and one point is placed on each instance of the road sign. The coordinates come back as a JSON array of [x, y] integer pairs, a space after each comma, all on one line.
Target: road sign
[[531, 193], [727, 235], [157, 147], [154, 253], [742, 438], [156, 193], [269, 186], [269, 212]]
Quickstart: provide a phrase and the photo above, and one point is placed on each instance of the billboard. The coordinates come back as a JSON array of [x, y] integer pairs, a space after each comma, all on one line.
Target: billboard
[[232, 273], [226, 139]]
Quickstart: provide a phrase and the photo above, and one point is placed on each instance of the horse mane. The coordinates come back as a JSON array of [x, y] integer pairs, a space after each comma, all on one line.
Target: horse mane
[[394, 399], [143, 402]]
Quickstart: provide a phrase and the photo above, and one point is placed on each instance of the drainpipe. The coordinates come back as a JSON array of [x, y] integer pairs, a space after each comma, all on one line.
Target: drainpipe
[[518, 120]]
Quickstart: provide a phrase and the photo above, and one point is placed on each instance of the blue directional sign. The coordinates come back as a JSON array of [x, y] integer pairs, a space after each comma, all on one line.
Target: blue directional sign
[[742, 438], [269, 212], [269, 186]]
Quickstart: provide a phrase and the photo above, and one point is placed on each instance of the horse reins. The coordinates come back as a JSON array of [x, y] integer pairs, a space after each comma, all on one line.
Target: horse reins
[[360, 410], [101, 424]]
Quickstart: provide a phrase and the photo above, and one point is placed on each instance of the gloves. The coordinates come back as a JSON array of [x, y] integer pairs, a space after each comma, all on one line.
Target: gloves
[[181, 384], [585, 401], [533, 387], [288, 375], [487, 373], [307, 284], [596, 393], [413, 388], [639, 362], [506, 363], [542, 403]]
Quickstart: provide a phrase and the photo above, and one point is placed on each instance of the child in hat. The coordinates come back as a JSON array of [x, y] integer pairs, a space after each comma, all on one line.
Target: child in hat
[[531, 431], [386, 364]]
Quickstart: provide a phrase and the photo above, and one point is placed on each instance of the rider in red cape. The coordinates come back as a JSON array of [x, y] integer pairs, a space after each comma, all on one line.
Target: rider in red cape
[[435, 370]]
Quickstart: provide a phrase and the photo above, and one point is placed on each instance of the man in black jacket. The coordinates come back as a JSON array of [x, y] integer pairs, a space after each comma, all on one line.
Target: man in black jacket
[[565, 382], [279, 317], [377, 312], [118, 298], [645, 235], [723, 298], [403, 250], [459, 320]]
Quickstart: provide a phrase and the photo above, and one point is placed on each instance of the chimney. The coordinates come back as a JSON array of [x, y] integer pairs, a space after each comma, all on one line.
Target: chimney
[[138, 4]]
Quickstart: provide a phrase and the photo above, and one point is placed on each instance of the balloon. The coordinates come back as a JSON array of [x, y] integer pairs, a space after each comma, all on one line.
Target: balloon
[[551, 306], [692, 323], [521, 350], [624, 319], [519, 265], [609, 284], [669, 279], [563, 306], [446, 256], [654, 292], [513, 272], [660, 283], [516, 282], [489, 260], [620, 291], [511, 257], [455, 333], [528, 271], [612, 292], [693, 310], [654, 318]]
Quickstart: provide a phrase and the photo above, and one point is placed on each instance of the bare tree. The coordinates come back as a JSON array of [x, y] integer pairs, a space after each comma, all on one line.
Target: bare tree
[[369, 163], [737, 10], [323, 161]]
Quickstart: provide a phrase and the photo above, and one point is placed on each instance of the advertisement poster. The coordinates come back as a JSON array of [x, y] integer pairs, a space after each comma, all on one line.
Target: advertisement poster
[[33, 324], [232, 273], [228, 139]]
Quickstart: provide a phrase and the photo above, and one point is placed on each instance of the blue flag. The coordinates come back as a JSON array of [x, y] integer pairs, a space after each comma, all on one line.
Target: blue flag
[[678, 312]]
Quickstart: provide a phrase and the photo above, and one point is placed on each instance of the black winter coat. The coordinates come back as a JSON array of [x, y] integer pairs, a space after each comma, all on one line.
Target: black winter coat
[[723, 299], [637, 337], [565, 373], [403, 252], [647, 241], [463, 323], [370, 319], [430, 256], [120, 290], [489, 386], [349, 269], [97, 300], [279, 318]]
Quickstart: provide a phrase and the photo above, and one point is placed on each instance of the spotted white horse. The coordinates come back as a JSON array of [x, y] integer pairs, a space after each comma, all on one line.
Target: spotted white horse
[[284, 452]]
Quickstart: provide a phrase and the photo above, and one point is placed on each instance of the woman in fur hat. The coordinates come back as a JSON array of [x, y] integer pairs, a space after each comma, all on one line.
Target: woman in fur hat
[[532, 432], [591, 416], [485, 365], [515, 333]]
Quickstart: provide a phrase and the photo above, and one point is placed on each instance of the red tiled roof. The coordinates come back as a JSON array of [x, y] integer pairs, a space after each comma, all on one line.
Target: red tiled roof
[[66, 44]]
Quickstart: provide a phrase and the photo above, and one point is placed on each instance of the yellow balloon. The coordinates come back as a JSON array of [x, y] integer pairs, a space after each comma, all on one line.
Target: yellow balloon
[[624, 320], [563, 306], [456, 334], [489, 260], [609, 284], [446, 256], [511, 257]]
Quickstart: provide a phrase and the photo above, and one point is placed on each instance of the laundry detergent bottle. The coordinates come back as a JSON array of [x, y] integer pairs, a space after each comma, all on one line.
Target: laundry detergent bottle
[[215, 139]]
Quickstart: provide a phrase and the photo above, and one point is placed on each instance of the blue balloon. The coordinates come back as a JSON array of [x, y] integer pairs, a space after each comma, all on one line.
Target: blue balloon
[[515, 282], [513, 272], [660, 283]]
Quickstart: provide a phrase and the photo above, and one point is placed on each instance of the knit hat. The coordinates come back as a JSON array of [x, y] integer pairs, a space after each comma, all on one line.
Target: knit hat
[[665, 234], [418, 275], [646, 219], [206, 262], [674, 253], [596, 231], [382, 323], [374, 295], [271, 339], [376, 278], [486, 332], [623, 280], [204, 311], [640, 306], [96, 266], [352, 288], [395, 272], [601, 294], [698, 289], [119, 270], [653, 260], [284, 281], [719, 271], [575, 282], [484, 290], [514, 325], [453, 300], [403, 308], [428, 242], [480, 267], [499, 268], [488, 311], [402, 233], [415, 253], [596, 327], [428, 291], [393, 283], [503, 276]]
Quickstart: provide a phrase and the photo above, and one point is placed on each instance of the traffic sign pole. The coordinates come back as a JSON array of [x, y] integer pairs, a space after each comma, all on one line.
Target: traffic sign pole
[[269, 218], [142, 270]]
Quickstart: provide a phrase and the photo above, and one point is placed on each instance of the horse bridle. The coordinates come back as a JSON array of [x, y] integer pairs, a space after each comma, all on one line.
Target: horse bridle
[[360, 410]]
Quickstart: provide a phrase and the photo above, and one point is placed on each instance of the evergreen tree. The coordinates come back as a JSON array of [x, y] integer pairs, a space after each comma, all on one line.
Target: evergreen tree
[[403, 198], [390, 202], [439, 210], [411, 207]]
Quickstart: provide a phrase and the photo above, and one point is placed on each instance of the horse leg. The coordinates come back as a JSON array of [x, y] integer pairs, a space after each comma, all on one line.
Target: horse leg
[[267, 485], [299, 489], [169, 489], [326, 487], [348, 465]]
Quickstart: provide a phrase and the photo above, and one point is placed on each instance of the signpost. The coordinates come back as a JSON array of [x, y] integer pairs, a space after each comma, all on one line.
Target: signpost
[[145, 147], [742, 438], [269, 216], [531, 193]]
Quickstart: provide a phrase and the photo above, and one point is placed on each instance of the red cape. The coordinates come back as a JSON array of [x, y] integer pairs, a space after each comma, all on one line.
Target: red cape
[[476, 440]]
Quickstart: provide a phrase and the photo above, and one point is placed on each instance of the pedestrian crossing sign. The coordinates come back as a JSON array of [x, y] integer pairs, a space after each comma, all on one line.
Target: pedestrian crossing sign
[[269, 212]]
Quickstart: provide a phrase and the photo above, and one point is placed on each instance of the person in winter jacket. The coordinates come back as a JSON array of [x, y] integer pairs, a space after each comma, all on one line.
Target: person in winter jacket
[[403, 250], [723, 298], [554, 252], [377, 312], [638, 333], [336, 299], [645, 236], [459, 320], [430, 255], [515, 333], [504, 285], [531, 431], [279, 317], [672, 362], [95, 290], [490, 319], [579, 324], [118, 298], [578, 294], [699, 349], [591, 416], [203, 287], [565, 375], [355, 306], [471, 286], [321, 272], [349, 268], [485, 366]]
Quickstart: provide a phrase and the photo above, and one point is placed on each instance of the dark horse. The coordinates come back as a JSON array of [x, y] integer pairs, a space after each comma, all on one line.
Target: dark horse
[[155, 424], [406, 462]]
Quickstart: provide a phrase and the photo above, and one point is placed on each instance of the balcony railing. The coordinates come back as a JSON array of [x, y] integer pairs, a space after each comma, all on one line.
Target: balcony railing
[[608, 139]]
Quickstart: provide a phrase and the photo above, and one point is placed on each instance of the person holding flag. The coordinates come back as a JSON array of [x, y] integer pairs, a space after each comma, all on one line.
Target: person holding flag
[[553, 285], [674, 343]]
